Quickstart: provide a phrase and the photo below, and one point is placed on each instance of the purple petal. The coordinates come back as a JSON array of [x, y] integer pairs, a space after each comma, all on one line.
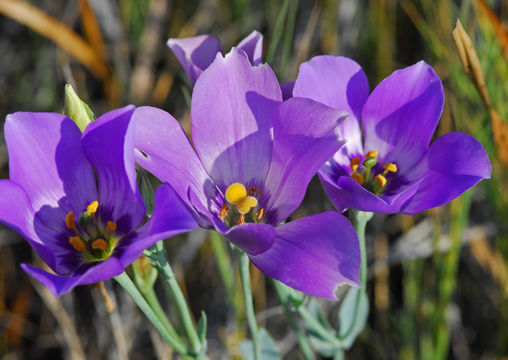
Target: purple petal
[[304, 139], [60, 285], [287, 90], [170, 217], [314, 254], [252, 44], [166, 152], [195, 53], [455, 162], [46, 160], [401, 114], [340, 83], [16, 213], [231, 119], [345, 193], [108, 143], [252, 238]]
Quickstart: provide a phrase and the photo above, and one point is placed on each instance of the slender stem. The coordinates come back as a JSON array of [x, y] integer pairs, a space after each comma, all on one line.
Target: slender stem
[[317, 326], [227, 272], [154, 303], [124, 280], [249, 304], [303, 341], [277, 32], [157, 254], [361, 218]]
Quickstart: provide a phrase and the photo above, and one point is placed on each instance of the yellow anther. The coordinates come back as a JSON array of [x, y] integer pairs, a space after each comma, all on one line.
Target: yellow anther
[[77, 243], [389, 167], [260, 213], [355, 162], [357, 177], [372, 153], [241, 220], [237, 195], [381, 180], [111, 226], [100, 244], [92, 208], [223, 211], [69, 220]]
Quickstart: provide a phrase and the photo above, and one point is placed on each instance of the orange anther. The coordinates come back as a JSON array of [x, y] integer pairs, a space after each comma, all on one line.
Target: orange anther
[[241, 220], [260, 213], [357, 177], [100, 244], [77, 243], [223, 211], [252, 191]]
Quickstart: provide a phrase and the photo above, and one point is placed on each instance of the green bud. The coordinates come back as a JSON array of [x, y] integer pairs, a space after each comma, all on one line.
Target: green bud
[[77, 109], [370, 162], [145, 274]]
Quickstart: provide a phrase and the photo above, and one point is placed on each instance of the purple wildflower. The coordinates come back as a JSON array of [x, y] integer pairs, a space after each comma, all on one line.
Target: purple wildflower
[[198, 52], [394, 169], [86, 230], [255, 158]]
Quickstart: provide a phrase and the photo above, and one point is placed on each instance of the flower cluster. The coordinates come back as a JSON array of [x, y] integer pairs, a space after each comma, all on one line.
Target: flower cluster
[[255, 147]]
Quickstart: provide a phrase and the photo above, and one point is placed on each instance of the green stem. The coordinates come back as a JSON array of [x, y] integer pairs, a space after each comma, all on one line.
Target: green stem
[[361, 218], [124, 280], [303, 341], [154, 303], [277, 32], [249, 304], [157, 254], [288, 38], [227, 272], [317, 327]]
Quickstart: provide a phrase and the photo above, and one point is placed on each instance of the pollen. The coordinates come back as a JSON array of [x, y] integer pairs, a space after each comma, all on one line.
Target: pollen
[[357, 177], [390, 167], [372, 153], [92, 208], [69, 220], [381, 180], [111, 226], [260, 213], [77, 243], [223, 211], [236, 194], [100, 244], [355, 162]]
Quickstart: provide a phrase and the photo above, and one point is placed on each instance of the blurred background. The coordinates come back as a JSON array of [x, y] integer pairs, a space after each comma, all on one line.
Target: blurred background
[[438, 281]]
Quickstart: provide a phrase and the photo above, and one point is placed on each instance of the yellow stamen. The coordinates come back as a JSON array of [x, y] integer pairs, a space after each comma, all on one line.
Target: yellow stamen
[[381, 180], [92, 208], [223, 211], [241, 220], [357, 177], [389, 167], [77, 243], [69, 220], [237, 195], [260, 213], [100, 244], [372, 153], [111, 226], [355, 162]]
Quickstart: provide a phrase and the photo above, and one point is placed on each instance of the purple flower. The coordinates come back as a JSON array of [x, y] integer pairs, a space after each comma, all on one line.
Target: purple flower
[[198, 52], [255, 158], [74, 198], [395, 168]]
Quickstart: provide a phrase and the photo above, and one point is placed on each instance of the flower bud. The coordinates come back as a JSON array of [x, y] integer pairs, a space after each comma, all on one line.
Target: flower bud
[[77, 109]]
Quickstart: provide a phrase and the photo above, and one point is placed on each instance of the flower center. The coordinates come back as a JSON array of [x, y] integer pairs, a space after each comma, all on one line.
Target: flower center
[[369, 174], [243, 203], [91, 238]]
